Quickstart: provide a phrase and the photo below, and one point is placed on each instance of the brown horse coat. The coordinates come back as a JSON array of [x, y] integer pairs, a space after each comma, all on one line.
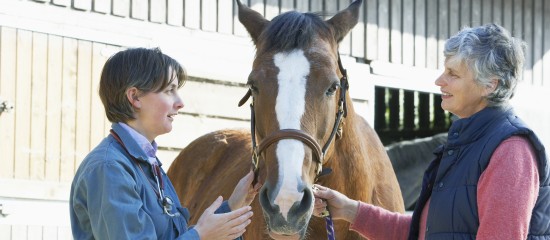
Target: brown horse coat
[[213, 164]]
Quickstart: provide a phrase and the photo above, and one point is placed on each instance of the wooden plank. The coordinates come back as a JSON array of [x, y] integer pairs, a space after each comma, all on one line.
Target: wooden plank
[[139, 9], [396, 37], [443, 31], [167, 157], [83, 100], [33, 190], [97, 112], [225, 16], [64, 3], [302, 6], [286, 5], [529, 39], [465, 14], [316, 6], [68, 110], [408, 33], [476, 13], [5, 231], [193, 127], [344, 47], [64, 232], [8, 56], [208, 15], [50, 233], [486, 12], [38, 105], [258, 6], [394, 109], [546, 49], [19, 232], [383, 30], [507, 14], [497, 12], [197, 99], [22, 106], [34, 232], [432, 50], [420, 33], [517, 28], [357, 36], [372, 29], [408, 110], [192, 14], [175, 12], [84, 5], [53, 107], [538, 49], [380, 108], [238, 28], [157, 11], [104, 6], [331, 8], [454, 17], [271, 9], [121, 8]]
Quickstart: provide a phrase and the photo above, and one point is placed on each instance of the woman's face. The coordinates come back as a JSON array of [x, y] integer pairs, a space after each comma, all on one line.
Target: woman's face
[[156, 111], [460, 93]]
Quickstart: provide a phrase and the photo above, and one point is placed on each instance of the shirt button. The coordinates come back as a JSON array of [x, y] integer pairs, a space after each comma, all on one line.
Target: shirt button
[[455, 134], [450, 152], [440, 184]]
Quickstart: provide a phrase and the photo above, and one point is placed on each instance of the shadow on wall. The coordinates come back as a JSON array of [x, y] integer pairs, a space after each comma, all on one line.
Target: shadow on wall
[[410, 159]]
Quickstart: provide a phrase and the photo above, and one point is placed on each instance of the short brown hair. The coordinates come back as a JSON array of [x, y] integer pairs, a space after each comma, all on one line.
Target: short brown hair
[[142, 68]]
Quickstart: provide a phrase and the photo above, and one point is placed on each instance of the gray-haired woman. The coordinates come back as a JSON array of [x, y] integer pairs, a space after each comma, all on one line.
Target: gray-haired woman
[[491, 179]]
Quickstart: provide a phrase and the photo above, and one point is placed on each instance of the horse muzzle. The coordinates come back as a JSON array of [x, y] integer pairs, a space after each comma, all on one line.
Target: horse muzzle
[[292, 224]]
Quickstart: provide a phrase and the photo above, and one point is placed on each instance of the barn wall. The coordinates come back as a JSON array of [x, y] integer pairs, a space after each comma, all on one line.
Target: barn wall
[[52, 51]]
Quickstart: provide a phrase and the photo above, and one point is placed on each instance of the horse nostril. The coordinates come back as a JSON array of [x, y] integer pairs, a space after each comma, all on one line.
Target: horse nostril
[[265, 202], [307, 200]]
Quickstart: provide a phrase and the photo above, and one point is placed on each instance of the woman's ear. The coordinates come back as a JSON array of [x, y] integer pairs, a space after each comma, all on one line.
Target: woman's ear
[[491, 87], [132, 96]]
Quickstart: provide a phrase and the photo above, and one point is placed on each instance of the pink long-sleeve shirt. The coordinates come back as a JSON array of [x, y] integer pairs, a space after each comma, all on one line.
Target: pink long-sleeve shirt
[[507, 191]]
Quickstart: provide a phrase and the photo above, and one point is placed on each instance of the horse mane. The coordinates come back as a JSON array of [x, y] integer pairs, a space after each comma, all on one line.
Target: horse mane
[[293, 30]]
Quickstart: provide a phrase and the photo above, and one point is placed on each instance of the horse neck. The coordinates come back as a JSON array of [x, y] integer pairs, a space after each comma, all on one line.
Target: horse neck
[[358, 142]]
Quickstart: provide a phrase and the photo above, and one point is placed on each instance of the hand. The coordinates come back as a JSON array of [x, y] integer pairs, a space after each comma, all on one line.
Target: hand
[[244, 192], [223, 226], [339, 205]]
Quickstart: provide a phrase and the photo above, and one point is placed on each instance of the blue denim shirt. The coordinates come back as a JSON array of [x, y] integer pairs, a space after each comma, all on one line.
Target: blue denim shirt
[[112, 198]]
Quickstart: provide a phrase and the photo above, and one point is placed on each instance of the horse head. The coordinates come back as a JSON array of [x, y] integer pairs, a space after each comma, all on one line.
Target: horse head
[[296, 88]]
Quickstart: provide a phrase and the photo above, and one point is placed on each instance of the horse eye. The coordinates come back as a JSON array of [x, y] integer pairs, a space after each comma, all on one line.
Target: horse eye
[[253, 88], [333, 89]]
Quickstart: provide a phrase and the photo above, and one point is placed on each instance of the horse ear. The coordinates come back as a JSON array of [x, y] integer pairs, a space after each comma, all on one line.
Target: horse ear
[[345, 20], [253, 21]]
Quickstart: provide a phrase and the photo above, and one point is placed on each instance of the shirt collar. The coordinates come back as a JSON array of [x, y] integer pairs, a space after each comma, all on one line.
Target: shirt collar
[[149, 148]]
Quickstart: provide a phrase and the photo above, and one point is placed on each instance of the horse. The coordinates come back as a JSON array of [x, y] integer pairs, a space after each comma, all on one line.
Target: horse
[[410, 158], [306, 128]]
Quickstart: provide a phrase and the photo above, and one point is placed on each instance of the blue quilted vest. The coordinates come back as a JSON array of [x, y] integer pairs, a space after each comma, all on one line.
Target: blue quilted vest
[[451, 179]]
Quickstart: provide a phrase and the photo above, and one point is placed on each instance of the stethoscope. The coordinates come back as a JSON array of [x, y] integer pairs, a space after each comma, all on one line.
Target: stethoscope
[[166, 202]]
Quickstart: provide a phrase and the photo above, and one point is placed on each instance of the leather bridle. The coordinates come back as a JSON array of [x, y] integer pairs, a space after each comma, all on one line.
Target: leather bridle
[[297, 134]]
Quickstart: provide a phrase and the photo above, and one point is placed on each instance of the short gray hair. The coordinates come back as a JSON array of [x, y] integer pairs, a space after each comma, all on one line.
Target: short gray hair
[[490, 53]]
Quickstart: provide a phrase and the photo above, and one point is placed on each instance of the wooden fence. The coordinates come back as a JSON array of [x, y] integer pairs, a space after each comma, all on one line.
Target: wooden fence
[[52, 51]]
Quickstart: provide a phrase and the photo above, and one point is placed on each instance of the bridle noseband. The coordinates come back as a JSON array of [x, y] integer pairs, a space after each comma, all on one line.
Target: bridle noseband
[[297, 134]]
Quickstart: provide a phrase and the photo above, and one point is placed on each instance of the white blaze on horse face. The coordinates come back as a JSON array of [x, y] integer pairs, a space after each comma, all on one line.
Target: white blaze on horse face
[[289, 108]]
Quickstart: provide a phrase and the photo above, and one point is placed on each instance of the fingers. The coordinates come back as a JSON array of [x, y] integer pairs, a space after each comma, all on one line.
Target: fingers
[[248, 178], [320, 191], [320, 207], [215, 205]]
